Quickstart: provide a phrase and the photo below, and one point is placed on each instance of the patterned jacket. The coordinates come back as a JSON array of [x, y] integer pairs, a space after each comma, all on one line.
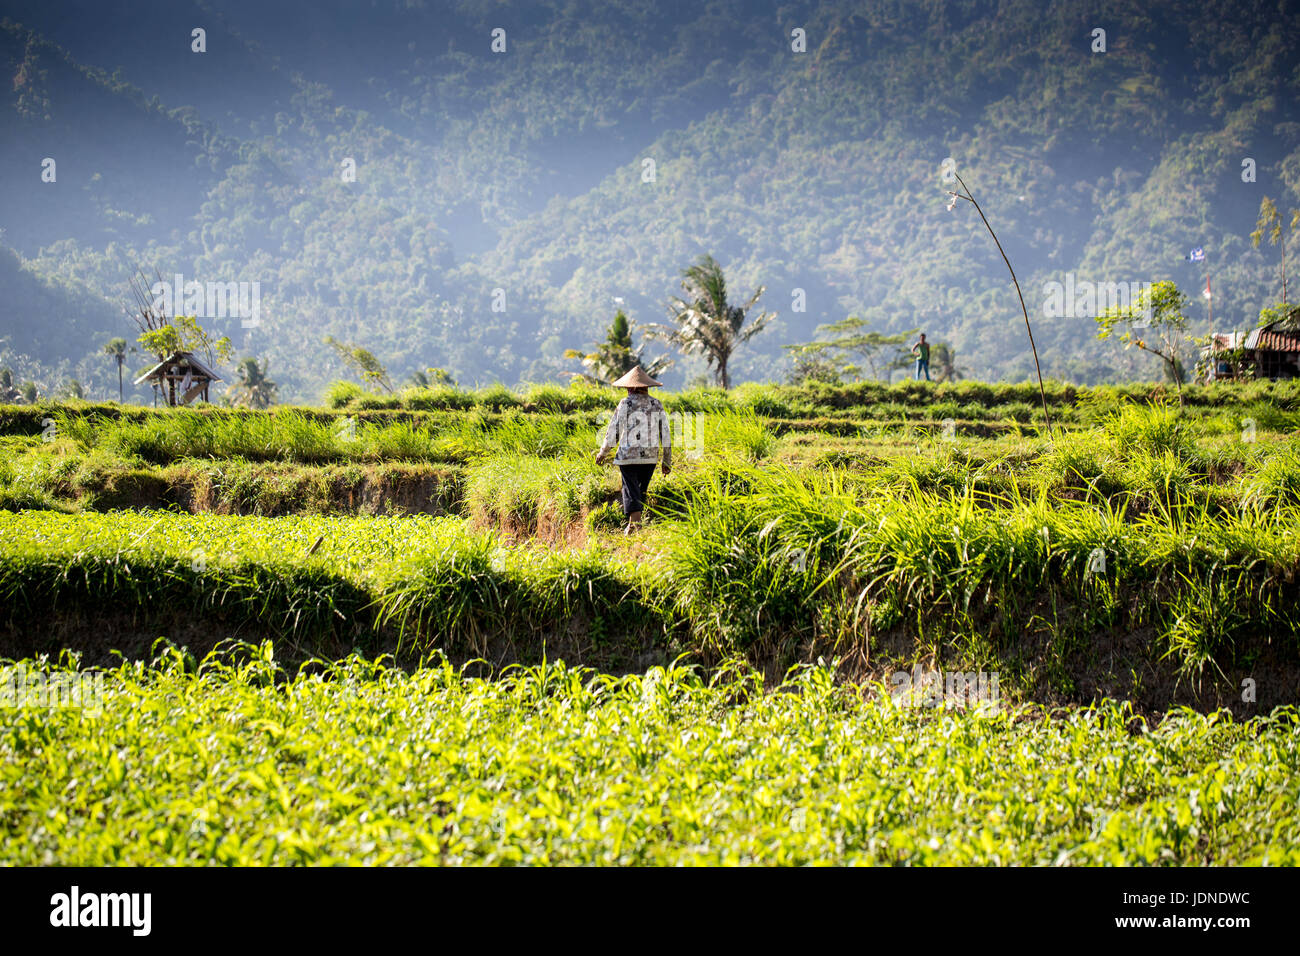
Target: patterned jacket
[[639, 429]]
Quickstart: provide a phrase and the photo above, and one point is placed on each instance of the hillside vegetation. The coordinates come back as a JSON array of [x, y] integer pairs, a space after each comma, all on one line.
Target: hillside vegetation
[[523, 172]]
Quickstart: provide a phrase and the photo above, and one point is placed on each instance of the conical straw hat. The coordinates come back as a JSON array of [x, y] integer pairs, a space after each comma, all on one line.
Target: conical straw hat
[[637, 378]]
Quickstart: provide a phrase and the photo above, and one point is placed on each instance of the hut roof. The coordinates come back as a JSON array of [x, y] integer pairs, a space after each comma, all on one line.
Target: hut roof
[[1272, 338], [1222, 341], [181, 358]]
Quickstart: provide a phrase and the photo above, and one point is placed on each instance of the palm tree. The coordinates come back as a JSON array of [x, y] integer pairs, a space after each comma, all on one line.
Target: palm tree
[[361, 361], [430, 377], [944, 359], [253, 388], [615, 357], [116, 349], [8, 393], [1269, 226], [707, 324]]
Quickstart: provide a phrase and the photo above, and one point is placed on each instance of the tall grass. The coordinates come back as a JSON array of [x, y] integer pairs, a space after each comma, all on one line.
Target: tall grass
[[25, 486], [518, 490], [743, 433], [497, 398], [1144, 456], [472, 437], [578, 396], [437, 397], [1155, 429], [766, 561], [1277, 480], [801, 555], [339, 393], [316, 582], [293, 436]]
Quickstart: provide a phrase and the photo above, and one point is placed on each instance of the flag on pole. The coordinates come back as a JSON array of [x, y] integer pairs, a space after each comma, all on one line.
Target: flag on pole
[[1206, 291], [1196, 255]]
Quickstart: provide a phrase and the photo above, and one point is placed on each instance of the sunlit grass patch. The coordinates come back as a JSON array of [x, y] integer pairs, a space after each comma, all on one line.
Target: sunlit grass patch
[[356, 762], [518, 489]]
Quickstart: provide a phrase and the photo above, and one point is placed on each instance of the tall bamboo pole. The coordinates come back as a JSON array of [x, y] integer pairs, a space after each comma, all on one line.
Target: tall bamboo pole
[[967, 196]]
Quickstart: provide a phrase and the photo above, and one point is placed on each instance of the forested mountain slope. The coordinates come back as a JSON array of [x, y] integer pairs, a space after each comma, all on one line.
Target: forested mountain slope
[[525, 171]]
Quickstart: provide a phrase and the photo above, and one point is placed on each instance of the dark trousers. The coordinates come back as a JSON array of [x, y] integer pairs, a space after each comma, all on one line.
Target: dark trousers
[[636, 479]]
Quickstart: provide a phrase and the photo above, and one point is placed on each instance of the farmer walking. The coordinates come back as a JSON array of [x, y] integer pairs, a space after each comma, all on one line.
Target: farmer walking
[[639, 430], [922, 350]]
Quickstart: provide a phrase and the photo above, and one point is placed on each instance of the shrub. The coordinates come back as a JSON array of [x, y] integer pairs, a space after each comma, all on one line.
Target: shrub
[[437, 397], [742, 432], [605, 517], [497, 398], [548, 398], [339, 393], [1277, 482], [520, 489], [762, 402], [532, 435], [698, 400], [370, 402], [1154, 428]]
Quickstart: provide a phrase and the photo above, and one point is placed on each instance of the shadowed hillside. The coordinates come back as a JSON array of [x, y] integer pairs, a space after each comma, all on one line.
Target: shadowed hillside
[[525, 171]]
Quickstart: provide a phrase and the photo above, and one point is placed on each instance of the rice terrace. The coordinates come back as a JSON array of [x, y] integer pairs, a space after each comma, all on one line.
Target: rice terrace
[[298, 613], [578, 434]]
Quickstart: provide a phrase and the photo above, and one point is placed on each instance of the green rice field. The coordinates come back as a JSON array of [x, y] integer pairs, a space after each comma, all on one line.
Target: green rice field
[[410, 630]]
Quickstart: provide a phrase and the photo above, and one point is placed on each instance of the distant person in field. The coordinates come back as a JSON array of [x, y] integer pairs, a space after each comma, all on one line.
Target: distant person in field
[[922, 350], [639, 430]]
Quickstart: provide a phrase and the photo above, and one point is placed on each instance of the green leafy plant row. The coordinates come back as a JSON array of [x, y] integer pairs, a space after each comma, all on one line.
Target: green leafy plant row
[[232, 761]]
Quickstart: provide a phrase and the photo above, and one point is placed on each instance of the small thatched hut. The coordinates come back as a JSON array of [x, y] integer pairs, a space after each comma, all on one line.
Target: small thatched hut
[[182, 377]]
